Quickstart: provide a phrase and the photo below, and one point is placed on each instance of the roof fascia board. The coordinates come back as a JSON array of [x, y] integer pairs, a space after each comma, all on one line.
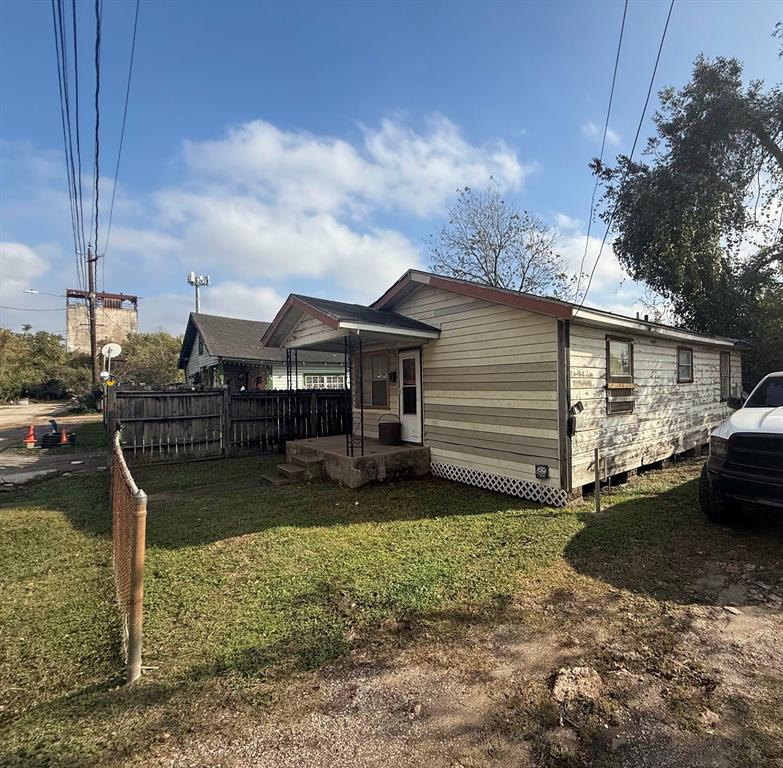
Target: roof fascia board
[[519, 301], [389, 329], [294, 302], [602, 320]]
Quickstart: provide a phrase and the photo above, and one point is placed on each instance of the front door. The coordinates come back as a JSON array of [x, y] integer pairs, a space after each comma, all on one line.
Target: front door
[[409, 376]]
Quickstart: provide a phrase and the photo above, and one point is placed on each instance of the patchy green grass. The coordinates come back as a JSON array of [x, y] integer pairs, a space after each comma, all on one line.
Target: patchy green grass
[[252, 585]]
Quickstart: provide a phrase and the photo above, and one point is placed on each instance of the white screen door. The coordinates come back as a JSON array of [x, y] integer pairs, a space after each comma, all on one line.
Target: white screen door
[[409, 377]]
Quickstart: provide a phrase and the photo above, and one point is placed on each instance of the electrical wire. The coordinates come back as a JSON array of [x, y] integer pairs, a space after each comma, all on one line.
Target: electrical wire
[[630, 156], [80, 199], [122, 130], [96, 165], [61, 80], [603, 146], [27, 309]]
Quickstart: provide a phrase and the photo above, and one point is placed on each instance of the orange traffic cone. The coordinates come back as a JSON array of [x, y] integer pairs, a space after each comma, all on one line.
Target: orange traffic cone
[[30, 439], [63, 437]]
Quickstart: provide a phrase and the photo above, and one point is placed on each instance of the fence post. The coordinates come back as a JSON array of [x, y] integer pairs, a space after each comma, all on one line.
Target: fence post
[[597, 493], [137, 586], [226, 435]]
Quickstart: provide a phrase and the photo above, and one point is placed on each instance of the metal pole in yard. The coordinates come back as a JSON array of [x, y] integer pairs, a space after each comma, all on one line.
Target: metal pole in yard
[[361, 391], [597, 493], [137, 586]]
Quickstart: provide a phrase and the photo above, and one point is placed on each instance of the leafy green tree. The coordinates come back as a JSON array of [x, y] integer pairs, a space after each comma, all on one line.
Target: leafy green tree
[[699, 221], [149, 358], [37, 365]]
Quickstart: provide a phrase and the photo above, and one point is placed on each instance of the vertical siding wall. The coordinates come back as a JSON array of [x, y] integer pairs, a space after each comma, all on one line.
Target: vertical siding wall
[[490, 385], [668, 417]]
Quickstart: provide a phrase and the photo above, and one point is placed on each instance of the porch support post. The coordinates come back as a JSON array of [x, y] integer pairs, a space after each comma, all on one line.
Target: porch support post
[[361, 392], [296, 369], [348, 384], [287, 368]]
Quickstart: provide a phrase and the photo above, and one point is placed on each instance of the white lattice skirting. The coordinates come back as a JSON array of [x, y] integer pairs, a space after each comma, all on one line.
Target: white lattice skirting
[[513, 486]]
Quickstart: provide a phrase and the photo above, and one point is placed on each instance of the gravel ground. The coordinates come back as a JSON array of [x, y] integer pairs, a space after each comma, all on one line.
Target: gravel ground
[[681, 686]]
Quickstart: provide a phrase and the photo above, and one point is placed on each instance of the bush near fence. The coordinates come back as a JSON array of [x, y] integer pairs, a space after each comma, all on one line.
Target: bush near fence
[[182, 425]]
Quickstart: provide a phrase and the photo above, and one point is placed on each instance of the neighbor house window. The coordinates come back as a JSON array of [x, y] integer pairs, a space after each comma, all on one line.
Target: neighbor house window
[[375, 381], [725, 375], [200, 345], [684, 365], [324, 381], [619, 375]]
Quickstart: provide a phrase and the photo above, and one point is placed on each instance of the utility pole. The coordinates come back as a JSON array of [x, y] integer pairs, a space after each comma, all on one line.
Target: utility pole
[[92, 308], [197, 281]]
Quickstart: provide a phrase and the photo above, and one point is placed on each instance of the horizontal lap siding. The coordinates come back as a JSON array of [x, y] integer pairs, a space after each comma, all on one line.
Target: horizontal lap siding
[[668, 417], [490, 385]]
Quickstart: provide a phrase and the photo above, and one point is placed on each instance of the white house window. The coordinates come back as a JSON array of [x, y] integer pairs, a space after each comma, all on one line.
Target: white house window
[[324, 381], [684, 365], [375, 381], [619, 375], [725, 375]]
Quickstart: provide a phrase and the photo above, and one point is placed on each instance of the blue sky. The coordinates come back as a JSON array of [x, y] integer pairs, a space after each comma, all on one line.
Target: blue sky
[[311, 147]]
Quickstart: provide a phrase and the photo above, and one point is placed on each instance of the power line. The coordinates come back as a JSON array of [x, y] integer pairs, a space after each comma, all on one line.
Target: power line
[[59, 42], [96, 166], [27, 309], [122, 130], [603, 146], [78, 121], [630, 156]]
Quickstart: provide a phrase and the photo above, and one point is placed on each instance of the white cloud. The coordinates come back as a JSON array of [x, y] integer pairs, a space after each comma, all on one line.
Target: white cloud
[[266, 206], [20, 266], [394, 167], [594, 132]]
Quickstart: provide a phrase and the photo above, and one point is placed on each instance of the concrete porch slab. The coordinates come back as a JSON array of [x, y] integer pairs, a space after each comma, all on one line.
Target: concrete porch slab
[[379, 462]]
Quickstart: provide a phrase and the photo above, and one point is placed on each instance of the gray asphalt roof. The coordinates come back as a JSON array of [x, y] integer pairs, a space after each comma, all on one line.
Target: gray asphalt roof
[[357, 313], [236, 339]]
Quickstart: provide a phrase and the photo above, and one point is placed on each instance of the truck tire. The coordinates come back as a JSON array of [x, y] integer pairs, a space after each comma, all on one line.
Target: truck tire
[[714, 504]]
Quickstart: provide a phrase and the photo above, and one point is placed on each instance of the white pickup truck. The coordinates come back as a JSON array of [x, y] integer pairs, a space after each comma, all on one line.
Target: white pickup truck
[[746, 455]]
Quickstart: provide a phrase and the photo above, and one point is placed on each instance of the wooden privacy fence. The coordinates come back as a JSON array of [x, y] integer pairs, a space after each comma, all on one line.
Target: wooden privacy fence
[[183, 425]]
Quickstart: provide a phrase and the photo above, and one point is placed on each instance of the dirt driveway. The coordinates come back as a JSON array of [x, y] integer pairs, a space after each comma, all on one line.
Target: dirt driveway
[[672, 647], [18, 466]]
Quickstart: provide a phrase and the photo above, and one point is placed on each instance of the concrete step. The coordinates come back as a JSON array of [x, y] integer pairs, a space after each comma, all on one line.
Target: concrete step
[[307, 460], [275, 479], [292, 471]]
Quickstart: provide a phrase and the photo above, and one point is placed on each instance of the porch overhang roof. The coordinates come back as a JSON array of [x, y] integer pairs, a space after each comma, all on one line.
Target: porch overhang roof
[[336, 320]]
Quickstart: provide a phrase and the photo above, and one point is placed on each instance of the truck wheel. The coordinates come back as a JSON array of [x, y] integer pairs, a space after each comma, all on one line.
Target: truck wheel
[[714, 505]]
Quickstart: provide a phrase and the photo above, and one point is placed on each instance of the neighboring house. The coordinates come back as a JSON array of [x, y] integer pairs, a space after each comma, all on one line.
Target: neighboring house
[[225, 351], [513, 392]]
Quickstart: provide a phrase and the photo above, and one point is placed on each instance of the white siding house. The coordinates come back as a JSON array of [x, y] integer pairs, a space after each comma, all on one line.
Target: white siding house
[[514, 392]]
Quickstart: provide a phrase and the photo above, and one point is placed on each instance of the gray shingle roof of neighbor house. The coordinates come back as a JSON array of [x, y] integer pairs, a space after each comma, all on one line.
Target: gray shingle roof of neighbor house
[[231, 338]]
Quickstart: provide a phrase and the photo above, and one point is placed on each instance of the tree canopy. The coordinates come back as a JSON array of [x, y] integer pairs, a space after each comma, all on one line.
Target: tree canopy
[[487, 241], [699, 219], [149, 358], [37, 365]]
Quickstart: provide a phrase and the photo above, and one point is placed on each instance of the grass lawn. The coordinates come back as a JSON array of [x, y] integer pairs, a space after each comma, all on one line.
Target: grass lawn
[[245, 589]]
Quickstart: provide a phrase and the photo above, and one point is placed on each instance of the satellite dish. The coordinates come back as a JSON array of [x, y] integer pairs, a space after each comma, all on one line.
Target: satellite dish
[[111, 350]]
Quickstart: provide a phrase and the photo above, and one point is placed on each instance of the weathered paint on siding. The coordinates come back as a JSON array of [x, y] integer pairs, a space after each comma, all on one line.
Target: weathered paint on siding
[[490, 385], [668, 417], [196, 361]]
